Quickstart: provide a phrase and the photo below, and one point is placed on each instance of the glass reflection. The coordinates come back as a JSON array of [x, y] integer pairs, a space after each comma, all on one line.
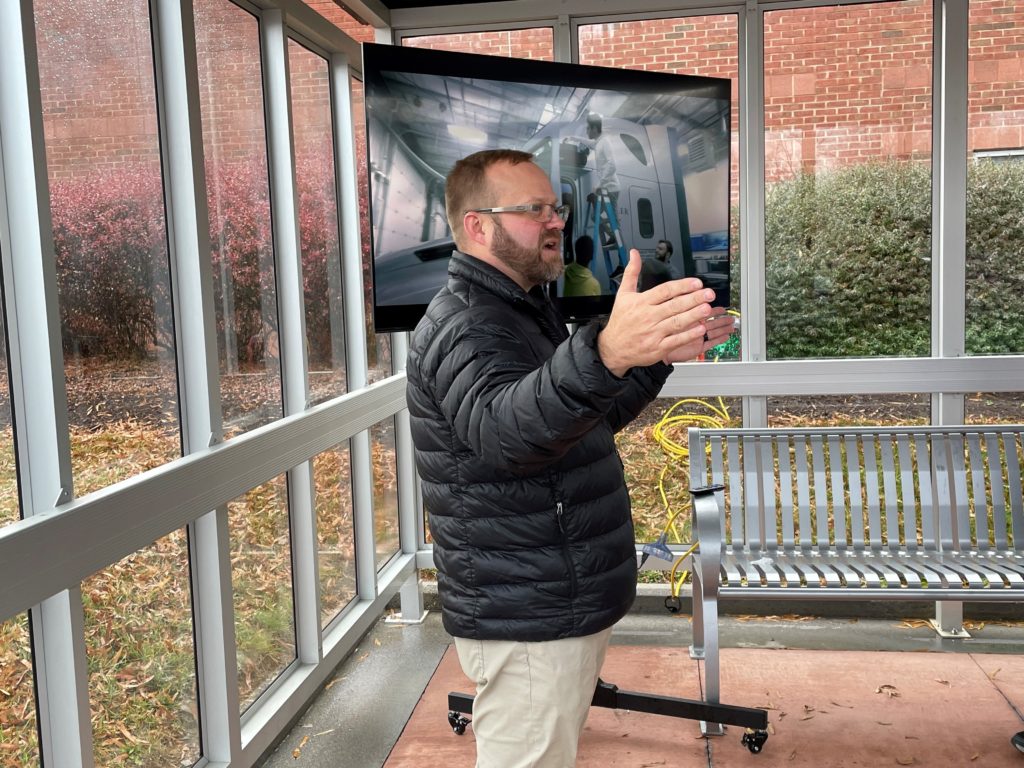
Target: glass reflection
[[142, 669], [261, 577], [848, 113], [318, 223], [234, 139], [385, 490], [995, 179], [19, 736], [110, 239], [332, 472]]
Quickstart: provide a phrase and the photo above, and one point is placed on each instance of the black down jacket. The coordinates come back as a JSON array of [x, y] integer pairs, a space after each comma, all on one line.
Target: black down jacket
[[513, 423]]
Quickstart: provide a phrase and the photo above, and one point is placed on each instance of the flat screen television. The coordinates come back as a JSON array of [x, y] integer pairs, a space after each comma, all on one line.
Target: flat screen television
[[667, 136]]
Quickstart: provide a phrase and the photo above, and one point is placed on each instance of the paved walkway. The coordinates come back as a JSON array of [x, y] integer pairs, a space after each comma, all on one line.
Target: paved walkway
[[832, 698]]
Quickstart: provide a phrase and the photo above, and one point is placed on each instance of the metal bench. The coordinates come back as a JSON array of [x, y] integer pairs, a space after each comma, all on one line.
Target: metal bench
[[862, 513]]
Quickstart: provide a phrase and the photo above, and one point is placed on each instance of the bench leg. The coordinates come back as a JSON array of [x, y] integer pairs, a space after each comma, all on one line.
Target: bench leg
[[697, 623], [705, 646], [712, 692], [949, 619]]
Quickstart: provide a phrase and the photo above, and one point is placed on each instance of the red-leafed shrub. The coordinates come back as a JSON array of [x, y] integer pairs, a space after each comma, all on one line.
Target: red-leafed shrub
[[112, 268], [241, 249], [113, 274]]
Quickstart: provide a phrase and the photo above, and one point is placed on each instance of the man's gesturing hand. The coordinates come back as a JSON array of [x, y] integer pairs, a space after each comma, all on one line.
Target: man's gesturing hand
[[666, 323]]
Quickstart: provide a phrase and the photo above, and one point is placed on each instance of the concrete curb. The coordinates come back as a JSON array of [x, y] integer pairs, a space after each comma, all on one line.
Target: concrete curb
[[650, 598]]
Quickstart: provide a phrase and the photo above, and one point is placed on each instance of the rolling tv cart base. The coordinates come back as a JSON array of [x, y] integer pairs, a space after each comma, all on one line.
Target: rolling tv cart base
[[754, 721]]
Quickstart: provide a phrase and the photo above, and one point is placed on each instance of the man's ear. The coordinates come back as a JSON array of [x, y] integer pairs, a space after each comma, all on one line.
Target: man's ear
[[475, 228]]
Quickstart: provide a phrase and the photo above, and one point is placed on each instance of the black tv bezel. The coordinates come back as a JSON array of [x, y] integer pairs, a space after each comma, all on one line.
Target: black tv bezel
[[377, 57]]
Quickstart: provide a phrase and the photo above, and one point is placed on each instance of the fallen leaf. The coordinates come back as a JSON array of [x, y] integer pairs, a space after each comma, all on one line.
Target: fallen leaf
[[882, 722], [915, 623], [844, 706], [941, 682], [905, 760]]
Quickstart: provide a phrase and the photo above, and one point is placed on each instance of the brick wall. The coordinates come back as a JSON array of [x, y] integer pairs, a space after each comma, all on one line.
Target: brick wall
[[842, 84]]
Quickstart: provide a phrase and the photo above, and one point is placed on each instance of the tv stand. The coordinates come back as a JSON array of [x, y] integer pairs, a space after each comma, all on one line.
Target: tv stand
[[754, 721]]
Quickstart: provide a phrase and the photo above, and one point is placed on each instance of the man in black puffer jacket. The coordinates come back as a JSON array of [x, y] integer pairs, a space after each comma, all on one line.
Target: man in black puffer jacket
[[513, 422]]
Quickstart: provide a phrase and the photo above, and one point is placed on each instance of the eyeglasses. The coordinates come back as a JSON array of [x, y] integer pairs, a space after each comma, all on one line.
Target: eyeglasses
[[537, 211]]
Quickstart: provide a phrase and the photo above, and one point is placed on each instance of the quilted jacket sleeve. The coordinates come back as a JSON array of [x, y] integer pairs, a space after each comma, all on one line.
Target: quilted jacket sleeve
[[519, 415]]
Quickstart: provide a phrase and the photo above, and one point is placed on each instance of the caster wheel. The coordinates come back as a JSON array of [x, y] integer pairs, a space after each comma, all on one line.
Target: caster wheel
[[458, 723], [754, 740], [672, 604]]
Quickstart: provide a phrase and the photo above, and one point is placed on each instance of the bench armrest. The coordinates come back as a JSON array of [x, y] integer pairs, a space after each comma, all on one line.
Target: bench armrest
[[707, 529]]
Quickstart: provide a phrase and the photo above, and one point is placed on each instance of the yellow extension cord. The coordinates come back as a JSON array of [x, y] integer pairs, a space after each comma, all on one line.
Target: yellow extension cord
[[673, 419]]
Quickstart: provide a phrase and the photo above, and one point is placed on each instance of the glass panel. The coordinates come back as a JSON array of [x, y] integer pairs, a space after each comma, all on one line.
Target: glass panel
[[10, 505], [261, 577], [385, 490], [19, 736], [849, 410], [142, 670], [696, 45], [537, 43], [234, 140], [103, 162], [344, 21], [848, 102], [332, 472], [995, 179], [318, 222], [994, 408]]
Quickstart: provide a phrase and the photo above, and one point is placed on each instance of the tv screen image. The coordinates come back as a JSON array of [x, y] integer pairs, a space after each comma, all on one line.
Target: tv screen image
[[641, 158]]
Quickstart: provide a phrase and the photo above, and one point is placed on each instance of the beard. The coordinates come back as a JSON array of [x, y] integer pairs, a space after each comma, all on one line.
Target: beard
[[528, 262]]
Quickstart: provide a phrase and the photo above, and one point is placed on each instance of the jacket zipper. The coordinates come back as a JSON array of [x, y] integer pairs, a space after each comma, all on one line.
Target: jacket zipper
[[565, 547]]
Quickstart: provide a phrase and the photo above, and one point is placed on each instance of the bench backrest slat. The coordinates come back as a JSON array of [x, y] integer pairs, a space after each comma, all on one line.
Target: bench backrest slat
[[891, 535], [836, 501], [961, 521], [783, 453], [1012, 456], [803, 490], [872, 492], [761, 514], [908, 497], [979, 474], [925, 513], [941, 514], [821, 533], [900, 489], [736, 500], [1000, 520], [855, 500]]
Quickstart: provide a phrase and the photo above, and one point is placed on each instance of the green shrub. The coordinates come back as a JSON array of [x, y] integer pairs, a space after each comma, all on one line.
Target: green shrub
[[995, 258], [848, 261]]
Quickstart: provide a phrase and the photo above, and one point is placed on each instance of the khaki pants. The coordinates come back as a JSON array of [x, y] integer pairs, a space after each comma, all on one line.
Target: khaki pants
[[532, 699]]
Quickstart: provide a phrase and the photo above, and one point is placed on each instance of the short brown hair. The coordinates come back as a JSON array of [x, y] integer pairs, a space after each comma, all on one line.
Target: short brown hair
[[466, 186]]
